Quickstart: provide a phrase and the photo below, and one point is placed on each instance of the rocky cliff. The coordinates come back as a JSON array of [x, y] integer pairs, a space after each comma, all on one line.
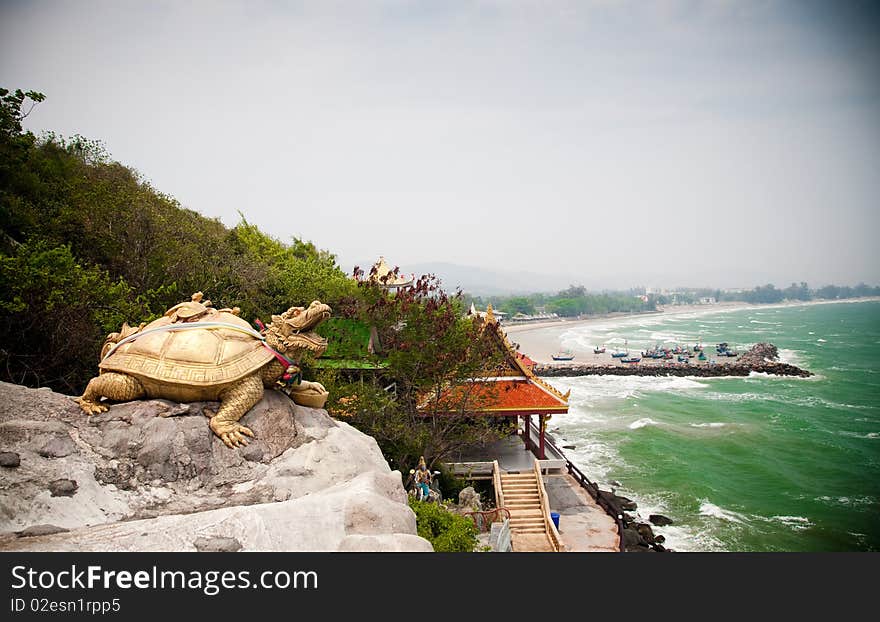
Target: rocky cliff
[[151, 476]]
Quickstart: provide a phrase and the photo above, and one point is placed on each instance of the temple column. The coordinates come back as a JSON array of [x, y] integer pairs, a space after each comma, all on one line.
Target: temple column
[[541, 447], [527, 437]]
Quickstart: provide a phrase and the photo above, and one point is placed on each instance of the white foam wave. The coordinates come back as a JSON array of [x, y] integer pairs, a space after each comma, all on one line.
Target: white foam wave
[[847, 501], [792, 357], [667, 337], [679, 536], [737, 397], [596, 390], [641, 423], [857, 435], [710, 509], [713, 424], [796, 522], [761, 322], [822, 340]]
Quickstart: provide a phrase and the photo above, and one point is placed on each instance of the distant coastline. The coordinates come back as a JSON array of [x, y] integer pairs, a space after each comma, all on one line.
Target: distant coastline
[[540, 340], [762, 358]]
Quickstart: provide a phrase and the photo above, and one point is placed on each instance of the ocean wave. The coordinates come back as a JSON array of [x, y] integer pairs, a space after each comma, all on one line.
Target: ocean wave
[[797, 523], [847, 501], [685, 539], [667, 337], [714, 424], [857, 435], [822, 341], [813, 401], [641, 423], [710, 509], [600, 389], [792, 357], [737, 397], [761, 322]]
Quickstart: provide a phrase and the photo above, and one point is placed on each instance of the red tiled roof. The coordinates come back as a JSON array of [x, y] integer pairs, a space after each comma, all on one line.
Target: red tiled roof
[[510, 389], [500, 396]]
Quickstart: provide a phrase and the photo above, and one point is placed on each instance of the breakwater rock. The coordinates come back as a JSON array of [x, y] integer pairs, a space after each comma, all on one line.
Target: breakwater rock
[[761, 358], [151, 476], [638, 536]]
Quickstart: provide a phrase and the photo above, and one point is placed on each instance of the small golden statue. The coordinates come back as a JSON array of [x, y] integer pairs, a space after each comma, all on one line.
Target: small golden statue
[[198, 353]]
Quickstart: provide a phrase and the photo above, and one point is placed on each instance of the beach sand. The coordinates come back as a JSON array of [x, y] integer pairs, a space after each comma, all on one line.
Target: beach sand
[[540, 340]]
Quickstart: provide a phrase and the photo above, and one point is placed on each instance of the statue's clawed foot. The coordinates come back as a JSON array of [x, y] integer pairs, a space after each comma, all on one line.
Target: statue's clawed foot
[[90, 407], [231, 433]]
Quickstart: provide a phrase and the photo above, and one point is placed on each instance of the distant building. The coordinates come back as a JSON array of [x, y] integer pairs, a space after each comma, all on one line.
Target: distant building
[[498, 315], [708, 300]]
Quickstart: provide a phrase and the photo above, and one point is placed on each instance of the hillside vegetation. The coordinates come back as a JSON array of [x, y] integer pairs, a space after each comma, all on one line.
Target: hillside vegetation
[[86, 243]]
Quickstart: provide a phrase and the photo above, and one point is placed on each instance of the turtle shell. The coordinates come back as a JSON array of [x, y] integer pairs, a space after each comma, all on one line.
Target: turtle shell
[[203, 357]]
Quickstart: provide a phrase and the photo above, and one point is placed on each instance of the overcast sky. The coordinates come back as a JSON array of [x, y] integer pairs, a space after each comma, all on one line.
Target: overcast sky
[[679, 142]]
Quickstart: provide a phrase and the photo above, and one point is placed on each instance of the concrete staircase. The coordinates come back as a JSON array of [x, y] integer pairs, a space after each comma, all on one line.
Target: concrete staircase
[[528, 524]]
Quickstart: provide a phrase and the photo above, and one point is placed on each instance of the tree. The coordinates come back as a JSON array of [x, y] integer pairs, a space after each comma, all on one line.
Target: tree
[[764, 294], [518, 304], [434, 359], [797, 292]]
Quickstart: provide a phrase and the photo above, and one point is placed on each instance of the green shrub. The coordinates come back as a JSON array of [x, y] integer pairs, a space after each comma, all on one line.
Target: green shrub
[[448, 532]]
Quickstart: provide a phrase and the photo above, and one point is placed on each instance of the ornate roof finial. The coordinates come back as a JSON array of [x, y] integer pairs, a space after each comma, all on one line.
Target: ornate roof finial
[[383, 275], [490, 317]]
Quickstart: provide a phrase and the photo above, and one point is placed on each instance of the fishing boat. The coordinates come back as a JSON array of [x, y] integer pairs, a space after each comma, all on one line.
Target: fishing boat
[[598, 350], [633, 359], [566, 355], [618, 354], [702, 356], [683, 358]]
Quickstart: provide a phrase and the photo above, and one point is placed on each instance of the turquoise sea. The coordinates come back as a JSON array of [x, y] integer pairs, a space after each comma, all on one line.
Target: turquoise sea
[[741, 464]]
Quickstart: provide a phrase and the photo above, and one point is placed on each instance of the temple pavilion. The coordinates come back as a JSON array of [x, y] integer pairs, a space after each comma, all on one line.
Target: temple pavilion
[[509, 390]]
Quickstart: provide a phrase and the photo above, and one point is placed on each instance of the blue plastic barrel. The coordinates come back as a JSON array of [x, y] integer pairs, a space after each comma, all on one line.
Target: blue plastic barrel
[[554, 516]]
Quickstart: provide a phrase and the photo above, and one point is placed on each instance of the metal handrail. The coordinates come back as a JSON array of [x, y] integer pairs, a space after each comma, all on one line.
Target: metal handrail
[[593, 489]]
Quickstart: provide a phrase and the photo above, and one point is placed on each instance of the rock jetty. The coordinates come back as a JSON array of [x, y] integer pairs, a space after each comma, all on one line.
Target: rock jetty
[[761, 358]]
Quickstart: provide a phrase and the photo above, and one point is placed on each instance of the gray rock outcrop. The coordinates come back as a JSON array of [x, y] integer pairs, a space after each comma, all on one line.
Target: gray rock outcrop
[[151, 476]]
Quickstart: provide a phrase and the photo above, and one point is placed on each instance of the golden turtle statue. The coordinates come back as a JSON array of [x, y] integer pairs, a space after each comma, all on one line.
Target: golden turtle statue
[[197, 353]]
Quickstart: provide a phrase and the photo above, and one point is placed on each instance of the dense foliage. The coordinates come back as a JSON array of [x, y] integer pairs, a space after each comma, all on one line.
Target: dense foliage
[[86, 243], [572, 302], [429, 346], [448, 532]]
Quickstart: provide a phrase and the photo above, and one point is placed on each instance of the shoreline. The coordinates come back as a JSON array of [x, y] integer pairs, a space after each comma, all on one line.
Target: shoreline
[[540, 340], [762, 358]]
